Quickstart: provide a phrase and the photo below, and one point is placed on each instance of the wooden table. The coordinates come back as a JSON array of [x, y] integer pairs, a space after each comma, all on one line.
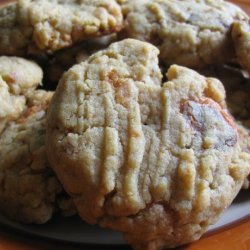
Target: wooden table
[[237, 237]]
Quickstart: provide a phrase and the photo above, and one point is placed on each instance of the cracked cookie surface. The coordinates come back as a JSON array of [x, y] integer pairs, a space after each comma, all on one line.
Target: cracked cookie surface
[[29, 190], [157, 162], [190, 33], [18, 78], [30, 26]]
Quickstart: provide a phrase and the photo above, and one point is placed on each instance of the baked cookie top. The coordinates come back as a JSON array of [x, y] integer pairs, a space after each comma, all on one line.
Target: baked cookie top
[[159, 162], [18, 78], [31, 25], [29, 191], [21, 75], [241, 38], [190, 33]]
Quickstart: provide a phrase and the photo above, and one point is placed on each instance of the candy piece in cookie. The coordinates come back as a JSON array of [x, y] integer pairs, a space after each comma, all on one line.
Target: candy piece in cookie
[[190, 33], [30, 26], [237, 100], [18, 78], [29, 191], [241, 38], [158, 162]]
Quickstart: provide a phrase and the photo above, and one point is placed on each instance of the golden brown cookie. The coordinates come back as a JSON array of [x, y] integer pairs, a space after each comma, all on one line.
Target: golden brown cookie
[[18, 78], [29, 26], [158, 162], [29, 191], [190, 33]]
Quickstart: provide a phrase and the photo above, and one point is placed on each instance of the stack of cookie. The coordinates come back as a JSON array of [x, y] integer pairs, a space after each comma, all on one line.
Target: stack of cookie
[[130, 140]]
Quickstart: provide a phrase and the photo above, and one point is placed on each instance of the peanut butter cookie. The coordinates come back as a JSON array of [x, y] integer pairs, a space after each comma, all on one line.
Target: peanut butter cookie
[[30, 26], [190, 33], [158, 162], [18, 77], [29, 191]]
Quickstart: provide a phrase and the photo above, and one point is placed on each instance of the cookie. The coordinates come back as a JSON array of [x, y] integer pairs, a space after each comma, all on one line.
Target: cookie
[[32, 26], [158, 162], [190, 33], [241, 38], [29, 190], [18, 77]]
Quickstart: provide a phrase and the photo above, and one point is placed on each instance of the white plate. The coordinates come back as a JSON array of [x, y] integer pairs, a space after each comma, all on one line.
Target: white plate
[[74, 230]]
